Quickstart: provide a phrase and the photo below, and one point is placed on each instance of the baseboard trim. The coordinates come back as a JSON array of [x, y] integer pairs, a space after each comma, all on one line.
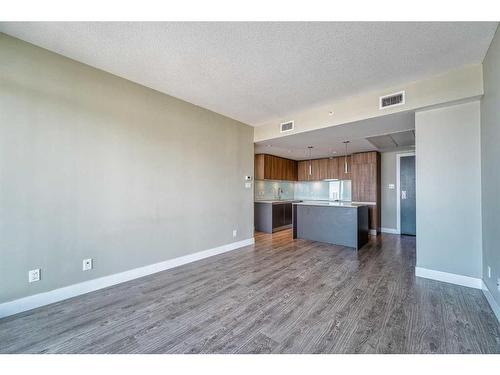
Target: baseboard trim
[[389, 230], [451, 278], [493, 304], [56, 295]]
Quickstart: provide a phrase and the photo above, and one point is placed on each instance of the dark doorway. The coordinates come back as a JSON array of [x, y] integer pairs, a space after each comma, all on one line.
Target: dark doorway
[[407, 195]]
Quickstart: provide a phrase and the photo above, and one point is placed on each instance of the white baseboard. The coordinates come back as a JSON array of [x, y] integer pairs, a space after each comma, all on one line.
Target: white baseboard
[[494, 305], [451, 278], [389, 230], [56, 295]]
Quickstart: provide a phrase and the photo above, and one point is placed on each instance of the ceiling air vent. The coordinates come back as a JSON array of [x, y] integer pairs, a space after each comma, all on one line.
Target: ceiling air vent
[[286, 126], [392, 100]]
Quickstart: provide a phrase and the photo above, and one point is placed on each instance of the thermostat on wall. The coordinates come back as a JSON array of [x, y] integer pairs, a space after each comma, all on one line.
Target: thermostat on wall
[[248, 178]]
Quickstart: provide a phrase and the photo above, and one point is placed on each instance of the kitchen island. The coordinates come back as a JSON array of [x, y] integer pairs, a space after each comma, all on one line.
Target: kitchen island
[[338, 223]]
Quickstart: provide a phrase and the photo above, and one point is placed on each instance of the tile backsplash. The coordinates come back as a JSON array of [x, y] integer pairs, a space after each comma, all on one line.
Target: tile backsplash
[[304, 190], [268, 190], [314, 190]]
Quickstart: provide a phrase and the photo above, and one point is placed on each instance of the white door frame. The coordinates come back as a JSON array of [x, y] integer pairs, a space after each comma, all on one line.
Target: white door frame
[[398, 186]]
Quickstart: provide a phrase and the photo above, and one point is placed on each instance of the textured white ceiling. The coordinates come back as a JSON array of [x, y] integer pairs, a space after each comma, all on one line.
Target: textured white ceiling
[[329, 141], [255, 72]]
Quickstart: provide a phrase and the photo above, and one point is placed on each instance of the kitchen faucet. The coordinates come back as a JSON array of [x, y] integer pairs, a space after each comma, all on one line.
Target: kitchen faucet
[[280, 191]]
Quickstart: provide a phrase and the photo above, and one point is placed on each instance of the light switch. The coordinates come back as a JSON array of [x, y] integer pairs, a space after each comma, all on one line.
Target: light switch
[[248, 185], [391, 186]]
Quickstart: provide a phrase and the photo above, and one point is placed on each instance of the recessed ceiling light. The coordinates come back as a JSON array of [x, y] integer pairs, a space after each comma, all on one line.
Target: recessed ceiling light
[[330, 113]]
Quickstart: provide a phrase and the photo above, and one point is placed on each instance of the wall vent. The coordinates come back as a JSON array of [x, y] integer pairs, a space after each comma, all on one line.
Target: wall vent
[[392, 100], [286, 126]]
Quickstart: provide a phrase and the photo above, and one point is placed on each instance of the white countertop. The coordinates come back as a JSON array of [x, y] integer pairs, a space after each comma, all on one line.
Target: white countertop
[[329, 204], [279, 201], [318, 203]]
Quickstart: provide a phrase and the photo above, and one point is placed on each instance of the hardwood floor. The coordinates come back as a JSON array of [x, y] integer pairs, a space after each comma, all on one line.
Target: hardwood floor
[[278, 296]]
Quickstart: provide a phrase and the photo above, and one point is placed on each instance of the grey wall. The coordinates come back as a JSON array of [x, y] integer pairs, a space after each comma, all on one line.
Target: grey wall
[[490, 158], [389, 210], [95, 166], [449, 189]]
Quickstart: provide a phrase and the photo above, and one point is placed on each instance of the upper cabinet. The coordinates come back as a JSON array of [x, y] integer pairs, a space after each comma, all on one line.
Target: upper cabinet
[[342, 160], [333, 168], [365, 158], [303, 170], [315, 166], [322, 169], [270, 167], [310, 170]]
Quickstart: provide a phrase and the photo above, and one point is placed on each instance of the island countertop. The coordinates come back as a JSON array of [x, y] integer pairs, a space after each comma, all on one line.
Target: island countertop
[[329, 204]]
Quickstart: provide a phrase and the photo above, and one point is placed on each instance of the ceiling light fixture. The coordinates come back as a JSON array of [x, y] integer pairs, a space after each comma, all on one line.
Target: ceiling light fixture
[[310, 161], [346, 166], [330, 113]]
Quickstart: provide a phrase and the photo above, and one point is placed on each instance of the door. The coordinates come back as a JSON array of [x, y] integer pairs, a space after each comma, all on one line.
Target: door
[[407, 195]]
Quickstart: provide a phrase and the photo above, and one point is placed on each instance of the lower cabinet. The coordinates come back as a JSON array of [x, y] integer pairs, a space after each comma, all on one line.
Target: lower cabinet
[[282, 215], [271, 217], [278, 215]]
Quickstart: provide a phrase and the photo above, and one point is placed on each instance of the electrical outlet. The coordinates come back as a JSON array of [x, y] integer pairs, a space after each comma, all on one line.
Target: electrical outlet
[[34, 275], [489, 272], [87, 264], [234, 233], [498, 284]]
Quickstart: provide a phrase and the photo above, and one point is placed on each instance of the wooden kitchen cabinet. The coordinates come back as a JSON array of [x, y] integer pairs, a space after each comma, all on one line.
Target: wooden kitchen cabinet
[[303, 170], [366, 184], [291, 168], [333, 168], [323, 169], [314, 173], [374, 218], [341, 169], [315, 166], [365, 158], [270, 167]]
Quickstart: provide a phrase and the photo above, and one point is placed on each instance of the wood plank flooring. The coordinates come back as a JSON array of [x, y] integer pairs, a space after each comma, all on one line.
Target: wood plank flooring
[[278, 296]]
